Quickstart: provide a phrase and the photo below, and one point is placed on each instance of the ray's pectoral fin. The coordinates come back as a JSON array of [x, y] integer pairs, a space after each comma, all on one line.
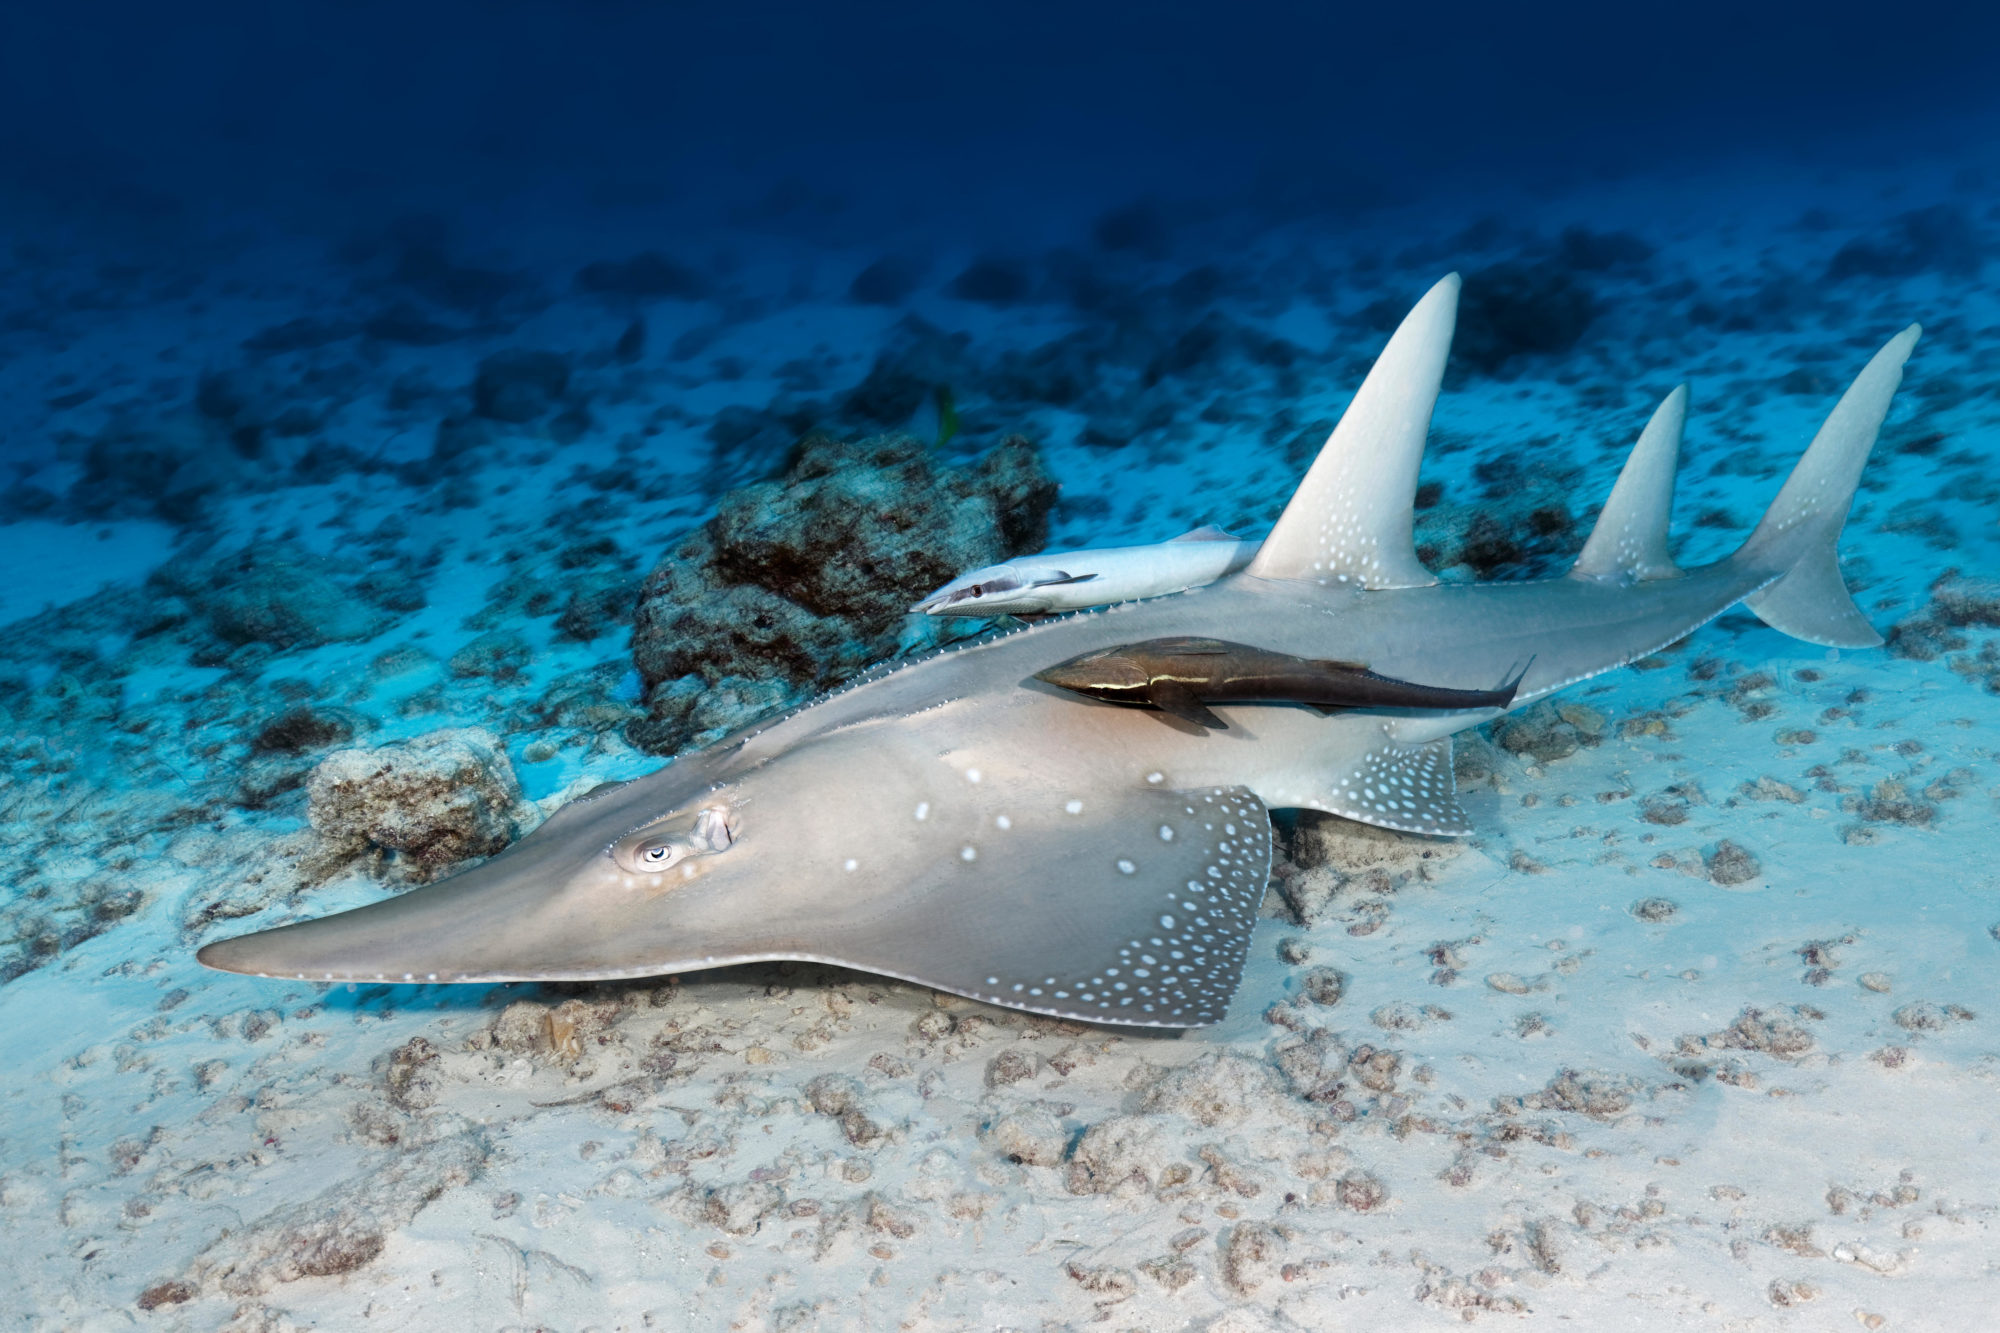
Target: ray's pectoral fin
[[1177, 700], [1137, 909], [1398, 785]]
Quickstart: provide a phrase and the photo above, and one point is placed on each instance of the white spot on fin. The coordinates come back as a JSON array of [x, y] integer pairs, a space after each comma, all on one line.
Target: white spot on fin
[[1352, 520]]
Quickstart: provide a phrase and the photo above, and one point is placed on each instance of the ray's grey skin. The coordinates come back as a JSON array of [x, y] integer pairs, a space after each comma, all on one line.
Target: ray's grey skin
[[957, 823], [1181, 677]]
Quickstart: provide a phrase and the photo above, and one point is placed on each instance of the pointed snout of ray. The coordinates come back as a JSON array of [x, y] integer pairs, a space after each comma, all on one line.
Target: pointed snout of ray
[[481, 925]]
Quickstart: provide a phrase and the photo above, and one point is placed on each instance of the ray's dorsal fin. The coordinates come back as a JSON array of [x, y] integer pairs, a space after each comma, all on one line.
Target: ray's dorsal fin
[[1352, 520], [1207, 532], [1629, 543]]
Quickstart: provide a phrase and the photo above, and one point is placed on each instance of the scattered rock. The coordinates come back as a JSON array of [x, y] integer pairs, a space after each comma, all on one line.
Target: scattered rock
[[270, 594], [519, 385], [521, 1028], [160, 465], [1512, 310], [1589, 251], [499, 655], [1031, 1135], [1323, 985], [839, 1097], [1599, 1096], [297, 730], [1315, 1065], [1329, 858], [1773, 1032], [1923, 1016], [1360, 1192], [1220, 1088], [739, 1208], [1250, 1256], [413, 1076], [429, 803], [1540, 733], [1890, 802], [993, 280], [341, 1229], [167, 1293], [1938, 239], [1124, 1150], [648, 275], [888, 281], [1008, 1067], [1730, 865]]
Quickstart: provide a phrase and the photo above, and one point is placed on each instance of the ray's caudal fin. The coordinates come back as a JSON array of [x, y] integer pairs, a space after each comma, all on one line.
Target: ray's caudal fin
[[1797, 539]]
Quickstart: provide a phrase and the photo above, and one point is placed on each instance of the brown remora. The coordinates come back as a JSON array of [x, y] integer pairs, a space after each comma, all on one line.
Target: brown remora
[[1182, 676]]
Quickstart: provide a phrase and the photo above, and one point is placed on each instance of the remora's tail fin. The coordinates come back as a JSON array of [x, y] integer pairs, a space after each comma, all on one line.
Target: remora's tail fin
[[1801, 529], [1630, 539]]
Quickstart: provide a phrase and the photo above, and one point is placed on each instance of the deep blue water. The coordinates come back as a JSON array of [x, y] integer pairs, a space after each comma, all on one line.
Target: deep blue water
[[979, 121]]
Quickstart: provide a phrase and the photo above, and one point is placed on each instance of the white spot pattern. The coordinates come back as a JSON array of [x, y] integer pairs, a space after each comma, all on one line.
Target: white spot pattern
[[1404, 787], [1182, 969]]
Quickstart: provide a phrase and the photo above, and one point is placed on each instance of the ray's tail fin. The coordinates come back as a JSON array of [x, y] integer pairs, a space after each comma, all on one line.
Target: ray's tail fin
[[1799, 533]]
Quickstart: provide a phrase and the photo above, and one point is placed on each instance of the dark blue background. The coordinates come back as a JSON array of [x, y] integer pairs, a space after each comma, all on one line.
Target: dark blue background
[[980, 114]]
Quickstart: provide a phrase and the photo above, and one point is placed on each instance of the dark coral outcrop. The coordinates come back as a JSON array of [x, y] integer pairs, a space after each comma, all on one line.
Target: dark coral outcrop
[[804, 580]]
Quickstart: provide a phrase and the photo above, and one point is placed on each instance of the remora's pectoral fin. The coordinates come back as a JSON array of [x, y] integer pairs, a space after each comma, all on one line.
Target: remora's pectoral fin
[[1399, 786], [1063, 577], [1207, 532], [1179, 701], [1137, 909]]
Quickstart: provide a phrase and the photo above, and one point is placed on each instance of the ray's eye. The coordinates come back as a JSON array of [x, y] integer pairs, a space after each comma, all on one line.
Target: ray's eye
[[684, 842], [659, 855]]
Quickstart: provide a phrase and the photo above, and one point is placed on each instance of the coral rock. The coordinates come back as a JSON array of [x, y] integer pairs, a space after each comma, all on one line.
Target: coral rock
[[803, 581], [431, 802]]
